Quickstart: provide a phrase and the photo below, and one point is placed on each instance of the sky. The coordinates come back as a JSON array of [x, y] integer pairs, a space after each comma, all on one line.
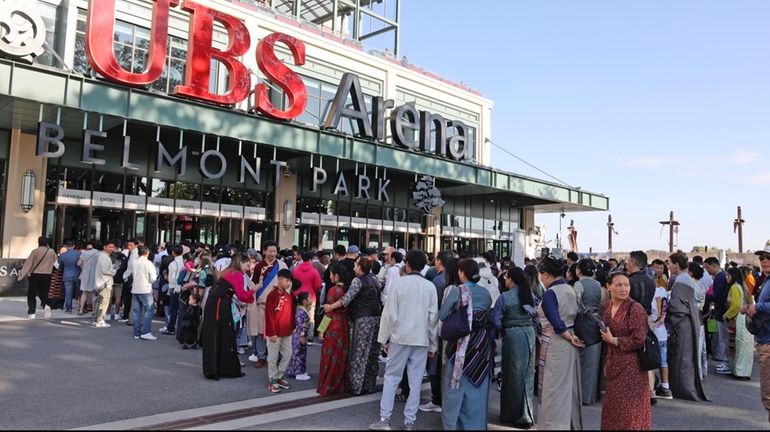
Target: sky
[[660, 105]]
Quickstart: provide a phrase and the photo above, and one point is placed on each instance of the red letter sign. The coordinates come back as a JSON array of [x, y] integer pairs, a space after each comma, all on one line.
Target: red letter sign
[[281, 75], [100, 26], [200, 53]]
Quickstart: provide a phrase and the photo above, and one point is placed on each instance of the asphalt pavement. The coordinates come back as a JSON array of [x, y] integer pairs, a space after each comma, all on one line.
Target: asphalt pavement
[[61, 373]]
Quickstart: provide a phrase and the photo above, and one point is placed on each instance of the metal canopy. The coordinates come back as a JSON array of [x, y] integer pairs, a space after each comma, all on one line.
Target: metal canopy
[[75, 97]]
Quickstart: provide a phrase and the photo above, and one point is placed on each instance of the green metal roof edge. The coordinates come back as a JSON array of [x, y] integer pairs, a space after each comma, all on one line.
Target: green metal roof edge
[[57, 87]]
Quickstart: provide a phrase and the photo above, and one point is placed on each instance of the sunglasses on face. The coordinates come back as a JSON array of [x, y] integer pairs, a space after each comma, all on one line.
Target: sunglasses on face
[[764, 256]]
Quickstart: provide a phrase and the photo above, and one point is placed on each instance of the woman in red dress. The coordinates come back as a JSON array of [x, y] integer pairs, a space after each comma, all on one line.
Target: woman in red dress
[[626, 403], [333, 373]]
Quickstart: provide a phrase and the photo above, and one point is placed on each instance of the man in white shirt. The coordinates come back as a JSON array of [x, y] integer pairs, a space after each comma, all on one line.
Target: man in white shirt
[[159, 256], [125, 297], [143, 307], [408, 334], [396, 261]]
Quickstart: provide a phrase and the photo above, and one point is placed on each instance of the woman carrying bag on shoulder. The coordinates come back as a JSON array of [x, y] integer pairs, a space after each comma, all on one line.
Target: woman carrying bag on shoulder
[[469, 360], [626, 403]]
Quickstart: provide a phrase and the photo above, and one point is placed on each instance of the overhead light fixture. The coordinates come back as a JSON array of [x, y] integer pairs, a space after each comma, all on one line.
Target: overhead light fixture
[[28, 191], [288, 214]]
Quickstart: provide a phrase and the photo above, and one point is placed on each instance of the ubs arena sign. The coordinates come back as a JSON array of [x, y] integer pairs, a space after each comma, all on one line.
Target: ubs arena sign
[[411, 129]]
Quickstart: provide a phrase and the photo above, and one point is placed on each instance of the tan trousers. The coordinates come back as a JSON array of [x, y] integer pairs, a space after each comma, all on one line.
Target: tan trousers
[[764, 374], [102, 304], [282, 346]]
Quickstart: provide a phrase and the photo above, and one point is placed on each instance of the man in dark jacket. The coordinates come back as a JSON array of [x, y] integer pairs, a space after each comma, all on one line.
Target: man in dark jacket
[[642, 287]]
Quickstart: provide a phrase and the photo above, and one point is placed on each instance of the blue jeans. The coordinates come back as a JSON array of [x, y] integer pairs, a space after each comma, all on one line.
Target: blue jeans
[[260, 346], [241, 339], [171, 311], [147, 305], [70, 286]]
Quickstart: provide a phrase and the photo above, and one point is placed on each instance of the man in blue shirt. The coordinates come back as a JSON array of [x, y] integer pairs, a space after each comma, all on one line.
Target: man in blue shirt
[[68, 264], [761, 311], [719, 297]]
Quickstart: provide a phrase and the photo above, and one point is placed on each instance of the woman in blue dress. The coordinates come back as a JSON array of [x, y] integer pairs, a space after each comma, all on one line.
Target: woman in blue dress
[[470, 360], [513, 314]]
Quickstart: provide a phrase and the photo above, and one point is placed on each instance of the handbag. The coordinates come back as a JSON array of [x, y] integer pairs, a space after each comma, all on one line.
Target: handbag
[[456, 325], [649, 354], [754, 325], [586, 326]]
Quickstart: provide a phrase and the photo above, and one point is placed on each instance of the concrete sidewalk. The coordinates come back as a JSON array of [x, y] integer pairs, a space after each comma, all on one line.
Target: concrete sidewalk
[[15, 308]]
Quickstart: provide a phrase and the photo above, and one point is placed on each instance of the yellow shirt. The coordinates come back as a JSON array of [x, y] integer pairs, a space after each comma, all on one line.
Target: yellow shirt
[[736, 301]]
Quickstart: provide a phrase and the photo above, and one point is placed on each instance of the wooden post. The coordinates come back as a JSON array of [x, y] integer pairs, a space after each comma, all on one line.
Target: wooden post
[[671, 224], [738, 225], [610, 230]]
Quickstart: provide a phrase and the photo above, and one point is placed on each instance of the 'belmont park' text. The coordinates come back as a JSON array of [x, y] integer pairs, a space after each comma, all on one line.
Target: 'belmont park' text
[[50, 145]]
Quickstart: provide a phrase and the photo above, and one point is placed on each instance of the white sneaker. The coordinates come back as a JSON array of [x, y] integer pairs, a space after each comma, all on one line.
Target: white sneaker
[[31, 316], [253, 358], [162, 329], [148, 336], [241, 351], [47, 312], [122, 320], [430, 407], [137, 337], [102, 324], [302, 377]]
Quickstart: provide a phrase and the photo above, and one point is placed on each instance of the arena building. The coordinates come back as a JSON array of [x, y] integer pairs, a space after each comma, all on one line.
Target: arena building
[[240, 121]]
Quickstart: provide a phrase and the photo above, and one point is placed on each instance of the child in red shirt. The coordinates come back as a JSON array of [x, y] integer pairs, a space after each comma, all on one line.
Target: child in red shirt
[[279, 326]]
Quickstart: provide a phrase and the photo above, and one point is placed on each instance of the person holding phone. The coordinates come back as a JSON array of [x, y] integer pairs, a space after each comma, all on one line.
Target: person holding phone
[[626, 402]]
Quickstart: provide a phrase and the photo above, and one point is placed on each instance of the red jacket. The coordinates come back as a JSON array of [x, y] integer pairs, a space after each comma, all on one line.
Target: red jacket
[[310, 279], [279, 313]]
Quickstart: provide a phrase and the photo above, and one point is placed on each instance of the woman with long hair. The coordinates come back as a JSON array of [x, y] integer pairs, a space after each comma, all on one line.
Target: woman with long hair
[[217, 340], [518, 365], [558, 360], [741, 342], [625, 405], [362, 301], [333, 372], [589, 292], [469, 360]]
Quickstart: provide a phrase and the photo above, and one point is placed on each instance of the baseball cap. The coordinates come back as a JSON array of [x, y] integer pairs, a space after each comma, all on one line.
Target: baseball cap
[[354, 249]]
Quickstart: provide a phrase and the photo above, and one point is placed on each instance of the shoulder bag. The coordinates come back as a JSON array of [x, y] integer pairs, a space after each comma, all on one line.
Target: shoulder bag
[[754, 325], [586, 325], [649, 353], [456, 325]]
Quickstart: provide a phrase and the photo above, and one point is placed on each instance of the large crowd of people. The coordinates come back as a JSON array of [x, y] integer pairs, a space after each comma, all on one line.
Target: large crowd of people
[[438, 315]]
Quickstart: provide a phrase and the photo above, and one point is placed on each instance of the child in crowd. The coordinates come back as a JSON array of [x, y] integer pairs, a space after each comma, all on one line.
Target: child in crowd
[[190, 322], [297, 365], [279, 325]]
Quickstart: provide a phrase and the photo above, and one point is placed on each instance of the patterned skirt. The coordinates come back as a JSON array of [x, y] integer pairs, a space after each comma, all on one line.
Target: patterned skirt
[[362, 375], [333, 372]]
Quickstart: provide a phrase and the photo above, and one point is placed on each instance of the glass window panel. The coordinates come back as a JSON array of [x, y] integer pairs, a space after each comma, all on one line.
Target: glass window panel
[[160, 188], [124, 32], [108, 182], [178, 48], [124, 55], [185, 191], [140, 59], [142, 37]]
